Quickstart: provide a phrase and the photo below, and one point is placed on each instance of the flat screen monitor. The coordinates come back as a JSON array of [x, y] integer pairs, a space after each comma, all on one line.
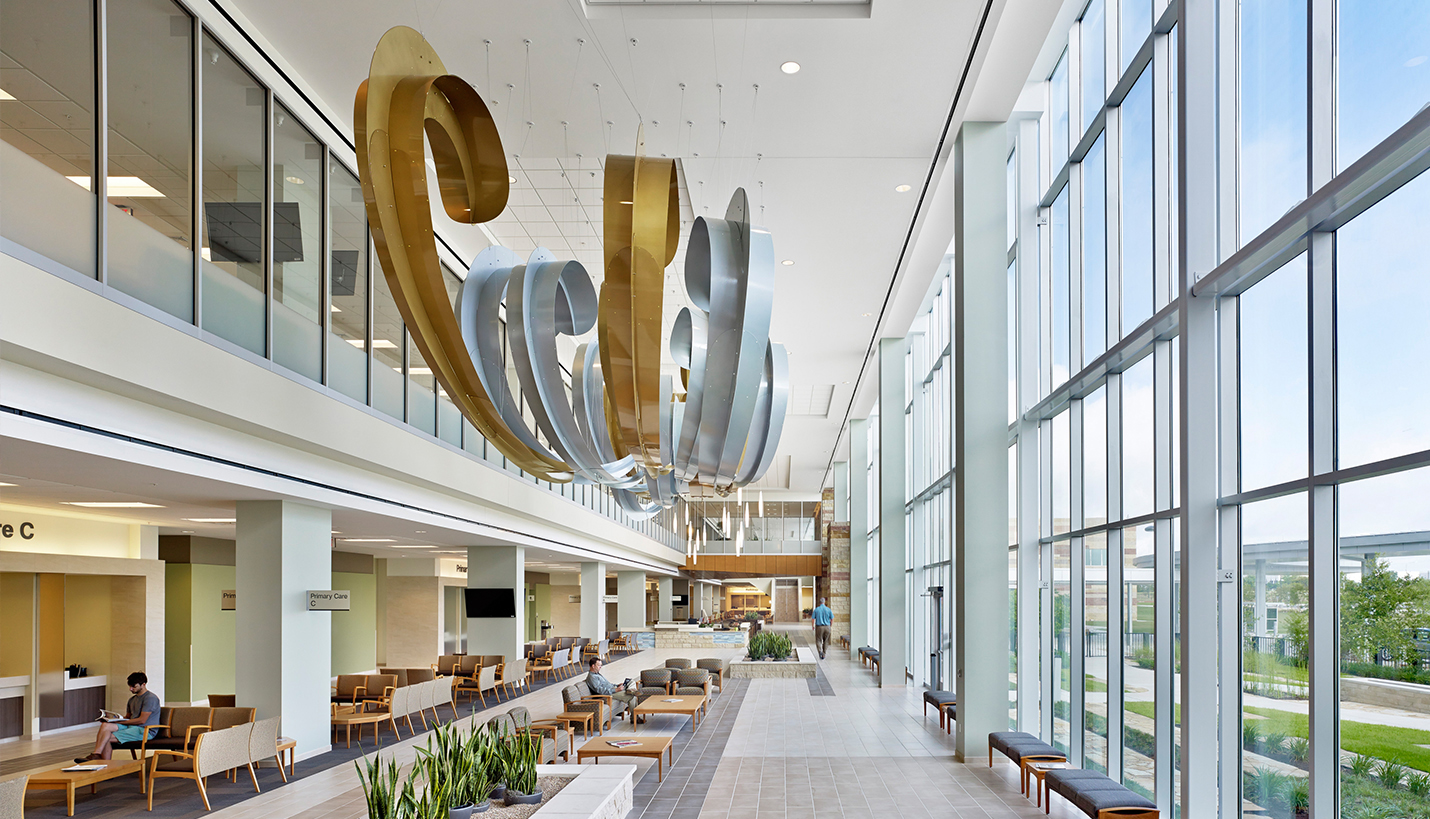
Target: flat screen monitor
[[491, 603], [679, 599]]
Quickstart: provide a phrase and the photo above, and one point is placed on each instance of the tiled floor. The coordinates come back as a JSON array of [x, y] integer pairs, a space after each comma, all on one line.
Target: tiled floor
[[768, 749]]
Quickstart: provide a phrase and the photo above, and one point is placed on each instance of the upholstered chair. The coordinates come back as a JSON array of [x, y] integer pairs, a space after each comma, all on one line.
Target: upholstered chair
[[690, 682]]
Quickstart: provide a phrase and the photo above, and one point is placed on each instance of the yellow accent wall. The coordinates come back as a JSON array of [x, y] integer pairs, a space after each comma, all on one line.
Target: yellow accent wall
[[87, 623]]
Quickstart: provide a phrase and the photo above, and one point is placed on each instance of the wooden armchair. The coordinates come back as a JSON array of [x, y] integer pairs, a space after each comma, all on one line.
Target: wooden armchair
[[349, 688], [511, 676], [214, 752]]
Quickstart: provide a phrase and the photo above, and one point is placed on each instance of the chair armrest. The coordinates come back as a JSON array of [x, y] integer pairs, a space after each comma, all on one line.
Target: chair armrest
[[188, 734], [170, 752], [541, 729]]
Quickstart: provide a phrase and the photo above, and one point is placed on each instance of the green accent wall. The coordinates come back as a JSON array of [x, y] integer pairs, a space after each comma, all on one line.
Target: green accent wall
[[355, 631], [215, 632], [178, 630], [538, 609]]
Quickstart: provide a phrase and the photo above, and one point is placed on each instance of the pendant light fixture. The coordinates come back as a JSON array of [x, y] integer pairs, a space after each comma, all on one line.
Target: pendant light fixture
[[762, 503]]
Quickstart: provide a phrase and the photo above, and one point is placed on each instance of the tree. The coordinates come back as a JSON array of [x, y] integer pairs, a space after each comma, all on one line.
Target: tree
[[1380, 612]]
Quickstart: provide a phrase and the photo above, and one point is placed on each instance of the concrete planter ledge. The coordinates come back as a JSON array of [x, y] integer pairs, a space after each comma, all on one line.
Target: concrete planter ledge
[[597, 792], [800, 667]]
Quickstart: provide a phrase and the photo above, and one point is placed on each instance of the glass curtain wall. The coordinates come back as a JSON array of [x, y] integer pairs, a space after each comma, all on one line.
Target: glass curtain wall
[[284, 264], [929, 485], [1105, 490], [1322, 445]]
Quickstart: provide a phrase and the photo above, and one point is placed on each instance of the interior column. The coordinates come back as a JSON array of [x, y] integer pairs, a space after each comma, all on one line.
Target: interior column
[[980, 371], [630, 601], [502, 570], [593, 600], [892, 618], [665, 610], [284, 651]]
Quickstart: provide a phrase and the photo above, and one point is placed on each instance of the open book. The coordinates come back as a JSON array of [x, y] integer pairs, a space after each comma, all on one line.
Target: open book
[[105, 715], [622, 743]]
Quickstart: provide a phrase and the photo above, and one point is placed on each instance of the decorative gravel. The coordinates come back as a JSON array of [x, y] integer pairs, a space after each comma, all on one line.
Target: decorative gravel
[[549, 785]]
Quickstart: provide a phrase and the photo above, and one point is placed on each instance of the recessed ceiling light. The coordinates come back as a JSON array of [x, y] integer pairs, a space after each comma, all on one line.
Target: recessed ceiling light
[[511, 180], [334, 308], [293, 180], [787, 262], [9, 484], [414, 546], [210, 520], [790, 67], [383, 344], [5, 95], [113, 504], [188, 531], [368, 540], [420, 531], [866, 314], [903, 188]]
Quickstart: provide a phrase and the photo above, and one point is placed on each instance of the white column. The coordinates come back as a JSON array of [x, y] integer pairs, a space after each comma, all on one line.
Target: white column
[[666, 607], [593, 600], [284, 652], [859, 533], [502, 569], [630, 601], [980, 436], [892, 557]]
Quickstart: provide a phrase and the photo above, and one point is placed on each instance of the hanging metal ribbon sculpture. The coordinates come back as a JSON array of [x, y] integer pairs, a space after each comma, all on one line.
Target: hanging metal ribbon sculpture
[[624, 424]]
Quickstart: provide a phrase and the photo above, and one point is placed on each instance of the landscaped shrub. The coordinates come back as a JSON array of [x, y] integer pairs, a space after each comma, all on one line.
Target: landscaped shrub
[[770, 645]]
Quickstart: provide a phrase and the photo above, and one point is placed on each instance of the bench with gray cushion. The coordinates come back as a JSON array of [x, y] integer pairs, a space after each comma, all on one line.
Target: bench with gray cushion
[[944, 703], [1019, 746], [1097, 795]]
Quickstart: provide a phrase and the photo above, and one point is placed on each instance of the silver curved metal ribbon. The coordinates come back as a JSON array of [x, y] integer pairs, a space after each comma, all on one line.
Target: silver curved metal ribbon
[[722, 433]]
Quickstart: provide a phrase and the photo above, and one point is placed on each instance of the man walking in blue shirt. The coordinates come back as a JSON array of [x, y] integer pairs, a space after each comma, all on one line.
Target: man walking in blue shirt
[[823, 616]]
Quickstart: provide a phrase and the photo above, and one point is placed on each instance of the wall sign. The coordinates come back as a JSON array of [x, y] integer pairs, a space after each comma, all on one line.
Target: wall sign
[[227, 599], [24, 530], [334, 600]]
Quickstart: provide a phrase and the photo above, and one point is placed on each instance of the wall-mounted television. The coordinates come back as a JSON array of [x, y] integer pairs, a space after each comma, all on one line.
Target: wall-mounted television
[[680, 599], [491, 603]]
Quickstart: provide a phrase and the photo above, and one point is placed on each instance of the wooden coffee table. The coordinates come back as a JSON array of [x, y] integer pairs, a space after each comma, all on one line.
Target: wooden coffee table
[[690, 705], [361, 718], [68, 781], [582, 718], [648, 747]]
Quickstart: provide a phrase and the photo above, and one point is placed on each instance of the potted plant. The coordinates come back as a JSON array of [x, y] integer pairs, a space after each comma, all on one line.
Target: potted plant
[[767, 645], [457, 770], [386, 798], [807, 612], [519, 757]]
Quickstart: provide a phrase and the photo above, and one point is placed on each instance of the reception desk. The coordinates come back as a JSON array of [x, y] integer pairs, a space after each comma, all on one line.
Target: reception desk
[[681, 635]]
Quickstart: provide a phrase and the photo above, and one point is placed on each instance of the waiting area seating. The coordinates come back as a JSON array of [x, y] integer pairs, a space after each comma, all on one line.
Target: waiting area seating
[[947, 705], [869, 656], [1022, 747], [579, 698], [555, 737], [217, 751], [1096, 795], [719, 669]]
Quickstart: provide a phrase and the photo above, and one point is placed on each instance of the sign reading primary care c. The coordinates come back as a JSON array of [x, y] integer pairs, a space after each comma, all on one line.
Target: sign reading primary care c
[[338, 600]]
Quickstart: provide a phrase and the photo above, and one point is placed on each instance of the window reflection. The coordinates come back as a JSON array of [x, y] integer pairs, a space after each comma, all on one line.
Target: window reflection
[[1062, 645], [1058, 115], [1382, 71], [1273, 112], [47, 130], [1382, 298], [1139, 659], [1094, 62], [1060, 285], [150, 221], [234, 188], [1136, 214], [1095, 643], [297, 245], [347, 284], [1274, 380], [1275, 693], [1138, 450], [1094, 252], [388, 339]]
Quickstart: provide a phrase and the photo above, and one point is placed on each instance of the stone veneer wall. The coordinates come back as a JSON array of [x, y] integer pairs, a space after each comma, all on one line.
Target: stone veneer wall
[[838, 575]]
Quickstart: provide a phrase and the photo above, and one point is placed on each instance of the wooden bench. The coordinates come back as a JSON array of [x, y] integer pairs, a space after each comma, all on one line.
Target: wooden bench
[[1097, 795]]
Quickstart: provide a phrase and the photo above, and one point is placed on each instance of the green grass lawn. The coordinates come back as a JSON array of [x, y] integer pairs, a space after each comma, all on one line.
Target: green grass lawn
[[1379, 741]]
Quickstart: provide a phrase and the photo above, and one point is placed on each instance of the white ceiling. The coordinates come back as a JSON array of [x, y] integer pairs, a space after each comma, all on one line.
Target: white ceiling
[[819, 152]]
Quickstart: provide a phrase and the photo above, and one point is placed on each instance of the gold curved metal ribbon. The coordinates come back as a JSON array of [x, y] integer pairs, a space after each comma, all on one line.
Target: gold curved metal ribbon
[[642, 231], [409, 93]]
